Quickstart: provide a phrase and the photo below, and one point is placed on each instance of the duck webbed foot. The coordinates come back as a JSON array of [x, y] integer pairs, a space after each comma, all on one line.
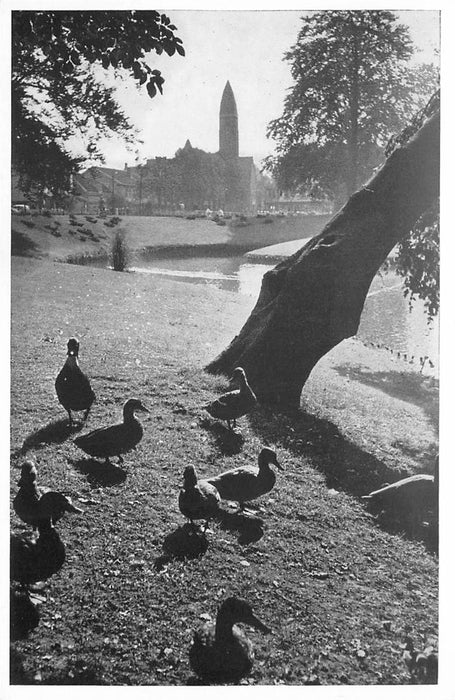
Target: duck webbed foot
[[244, 510]]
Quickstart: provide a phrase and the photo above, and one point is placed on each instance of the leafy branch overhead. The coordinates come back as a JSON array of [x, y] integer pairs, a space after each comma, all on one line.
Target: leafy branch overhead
[[56, 83], [117, 39]]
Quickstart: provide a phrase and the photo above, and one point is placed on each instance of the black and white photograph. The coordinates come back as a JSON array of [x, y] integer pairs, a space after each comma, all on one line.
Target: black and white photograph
[[224, 338]]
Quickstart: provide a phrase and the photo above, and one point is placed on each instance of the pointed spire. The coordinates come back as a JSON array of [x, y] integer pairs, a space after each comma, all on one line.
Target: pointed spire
[[228, 106], [229, 128]]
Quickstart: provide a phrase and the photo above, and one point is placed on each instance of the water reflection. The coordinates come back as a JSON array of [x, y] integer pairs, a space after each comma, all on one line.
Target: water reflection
[[231, 274]]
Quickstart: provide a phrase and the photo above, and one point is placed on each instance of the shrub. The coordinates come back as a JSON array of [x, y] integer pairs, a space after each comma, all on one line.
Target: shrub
[[119, 252]]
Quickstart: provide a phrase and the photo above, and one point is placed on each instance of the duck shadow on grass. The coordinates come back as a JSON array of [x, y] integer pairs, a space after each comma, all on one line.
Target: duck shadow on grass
[[99, 473], [346, 466], [186, 542], [227, 441], [17, 673], [55, 432], [249, 527]]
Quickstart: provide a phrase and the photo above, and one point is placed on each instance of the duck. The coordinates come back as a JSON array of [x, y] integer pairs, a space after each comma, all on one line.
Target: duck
[[23, 613], [73, 386], [410, 498], [36, 561], [221, 651], [244, 484], [32, 506], [25, 502], [235, 403], [115, 440], [198, 500]]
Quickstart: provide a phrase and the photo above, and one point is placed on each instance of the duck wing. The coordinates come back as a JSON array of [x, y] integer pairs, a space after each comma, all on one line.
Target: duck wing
[[405, 492], [111, 441], [225, 406], [26, 504], [73, 389], [240, 484], [199, 502]]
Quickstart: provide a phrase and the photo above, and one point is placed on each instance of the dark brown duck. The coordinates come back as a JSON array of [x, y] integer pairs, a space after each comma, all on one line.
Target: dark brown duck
[[72, 385], [115, 440], [221, 651]]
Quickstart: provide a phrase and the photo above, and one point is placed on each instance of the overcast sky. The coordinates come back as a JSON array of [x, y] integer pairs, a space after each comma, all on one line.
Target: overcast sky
[[245, 48]]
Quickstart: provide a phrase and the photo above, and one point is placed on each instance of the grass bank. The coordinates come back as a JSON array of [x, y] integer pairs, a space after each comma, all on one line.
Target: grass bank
[[340, 591], [61, 236]]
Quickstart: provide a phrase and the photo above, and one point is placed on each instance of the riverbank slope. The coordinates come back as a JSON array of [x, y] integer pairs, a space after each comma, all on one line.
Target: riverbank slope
[[60, 237]]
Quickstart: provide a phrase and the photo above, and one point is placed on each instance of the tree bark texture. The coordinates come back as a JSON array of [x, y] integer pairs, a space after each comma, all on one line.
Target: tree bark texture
[[313, 300]]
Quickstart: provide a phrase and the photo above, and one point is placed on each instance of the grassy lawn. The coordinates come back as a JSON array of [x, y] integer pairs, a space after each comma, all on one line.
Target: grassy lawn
[[339, 591]]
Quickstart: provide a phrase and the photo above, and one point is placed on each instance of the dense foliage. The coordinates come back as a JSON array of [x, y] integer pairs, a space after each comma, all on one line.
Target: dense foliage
[[353, 88], [193, 178], [58, 59], [120, 254], [417, 257]]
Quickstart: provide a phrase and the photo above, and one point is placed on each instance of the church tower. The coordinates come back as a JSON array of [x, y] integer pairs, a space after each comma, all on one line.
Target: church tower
[[229, 124]]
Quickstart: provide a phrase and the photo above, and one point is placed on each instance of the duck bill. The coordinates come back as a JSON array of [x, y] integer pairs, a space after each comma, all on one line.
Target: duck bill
[[277, 464], [144, 409], [255, 622], [73, 509]]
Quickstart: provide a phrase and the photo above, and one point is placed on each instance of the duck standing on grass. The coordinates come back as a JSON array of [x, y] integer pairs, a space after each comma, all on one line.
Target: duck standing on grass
[[221, 651], [244, 484], [26, 501], [115, 440], [236, 403], [72, 385], [32, 506], [198, 500]]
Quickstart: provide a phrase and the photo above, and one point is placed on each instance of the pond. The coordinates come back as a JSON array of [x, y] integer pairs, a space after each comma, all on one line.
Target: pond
[[386, 320]]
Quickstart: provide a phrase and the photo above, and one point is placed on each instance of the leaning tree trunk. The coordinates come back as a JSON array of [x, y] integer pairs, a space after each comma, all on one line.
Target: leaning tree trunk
[[313, 300]]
